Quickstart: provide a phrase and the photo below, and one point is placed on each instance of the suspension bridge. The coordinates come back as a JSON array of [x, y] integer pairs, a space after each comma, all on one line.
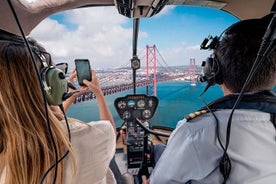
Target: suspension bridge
[[148, 77]]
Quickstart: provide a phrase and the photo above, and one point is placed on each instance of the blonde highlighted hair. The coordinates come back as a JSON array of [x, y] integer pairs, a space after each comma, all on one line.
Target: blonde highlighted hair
[[25, 141]]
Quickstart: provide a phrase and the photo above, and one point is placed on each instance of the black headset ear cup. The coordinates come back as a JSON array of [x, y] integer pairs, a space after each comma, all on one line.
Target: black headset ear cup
[[55, 84], [211, 71]]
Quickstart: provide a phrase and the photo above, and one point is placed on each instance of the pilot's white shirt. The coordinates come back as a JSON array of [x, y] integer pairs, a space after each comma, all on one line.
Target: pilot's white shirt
[[193, 151]]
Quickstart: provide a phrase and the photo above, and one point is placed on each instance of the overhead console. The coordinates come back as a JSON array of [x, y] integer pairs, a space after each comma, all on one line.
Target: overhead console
[[139, 8], [131, 109]]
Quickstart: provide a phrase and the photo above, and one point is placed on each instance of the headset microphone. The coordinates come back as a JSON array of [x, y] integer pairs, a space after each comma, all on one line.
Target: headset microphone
[[68, 95]]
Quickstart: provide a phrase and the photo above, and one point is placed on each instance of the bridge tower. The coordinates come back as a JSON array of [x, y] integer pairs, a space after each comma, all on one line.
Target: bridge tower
[[151, 70], [192, 72]]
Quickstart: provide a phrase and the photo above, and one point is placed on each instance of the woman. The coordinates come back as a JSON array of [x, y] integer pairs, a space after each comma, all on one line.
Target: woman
[[28, 147]]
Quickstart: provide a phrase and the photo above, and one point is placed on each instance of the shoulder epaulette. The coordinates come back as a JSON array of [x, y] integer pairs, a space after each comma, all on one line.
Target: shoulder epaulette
[[195, 114]]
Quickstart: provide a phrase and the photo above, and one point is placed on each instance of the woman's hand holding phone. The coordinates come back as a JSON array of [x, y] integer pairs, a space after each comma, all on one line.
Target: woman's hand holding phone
[[72, 78], [93, 85]]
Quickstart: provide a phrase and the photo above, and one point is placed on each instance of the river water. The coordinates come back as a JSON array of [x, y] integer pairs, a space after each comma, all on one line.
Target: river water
[[176, 99]]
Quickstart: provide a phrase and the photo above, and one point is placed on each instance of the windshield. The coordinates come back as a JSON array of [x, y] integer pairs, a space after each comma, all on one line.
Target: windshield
[[171, 38]]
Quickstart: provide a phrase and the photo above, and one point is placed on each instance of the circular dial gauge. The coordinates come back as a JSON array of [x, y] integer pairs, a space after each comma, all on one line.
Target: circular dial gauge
[[126, 115], [151, 102], [141, 103], [122, 104], [146, 114]]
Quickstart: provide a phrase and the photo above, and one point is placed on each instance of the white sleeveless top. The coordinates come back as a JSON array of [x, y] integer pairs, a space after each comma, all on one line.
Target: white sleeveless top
[[94, 146]]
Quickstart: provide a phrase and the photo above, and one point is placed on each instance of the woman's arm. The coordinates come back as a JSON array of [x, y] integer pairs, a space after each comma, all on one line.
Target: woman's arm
[[69, 101], [104, 111]]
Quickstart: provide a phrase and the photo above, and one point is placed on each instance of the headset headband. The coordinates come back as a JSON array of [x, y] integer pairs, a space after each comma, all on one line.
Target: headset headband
[[245, 27]]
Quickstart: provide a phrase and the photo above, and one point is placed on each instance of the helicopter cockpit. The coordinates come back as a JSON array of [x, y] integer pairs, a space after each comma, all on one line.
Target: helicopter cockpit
[[136, 136]]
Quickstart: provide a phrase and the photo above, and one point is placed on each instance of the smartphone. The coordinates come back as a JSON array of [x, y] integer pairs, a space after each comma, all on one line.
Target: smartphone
[[83, 70]]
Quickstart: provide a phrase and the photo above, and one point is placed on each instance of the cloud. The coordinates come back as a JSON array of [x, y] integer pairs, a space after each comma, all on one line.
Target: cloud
[[103, 36], [193, 47]]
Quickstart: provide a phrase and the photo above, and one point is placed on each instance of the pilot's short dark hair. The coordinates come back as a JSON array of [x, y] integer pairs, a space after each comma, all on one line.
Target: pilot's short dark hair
[[237, 52]]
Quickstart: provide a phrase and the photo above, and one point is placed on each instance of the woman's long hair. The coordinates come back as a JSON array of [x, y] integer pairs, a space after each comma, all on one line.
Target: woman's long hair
[[25, 143]]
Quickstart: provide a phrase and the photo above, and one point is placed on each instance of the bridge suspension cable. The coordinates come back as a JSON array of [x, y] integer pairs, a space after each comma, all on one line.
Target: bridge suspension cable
[[105, 79], [163, 61], [150, 80]]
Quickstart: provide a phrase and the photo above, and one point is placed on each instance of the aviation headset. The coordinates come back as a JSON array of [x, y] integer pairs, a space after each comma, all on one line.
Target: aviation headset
[[53, 79], [211, 68]]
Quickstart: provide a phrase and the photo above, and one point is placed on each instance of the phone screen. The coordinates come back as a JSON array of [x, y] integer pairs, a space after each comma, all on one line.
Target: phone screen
[[83, 70]]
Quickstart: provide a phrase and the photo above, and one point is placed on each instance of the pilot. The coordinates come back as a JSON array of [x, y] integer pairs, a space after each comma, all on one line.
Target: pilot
[[35, 146], [218, 144]]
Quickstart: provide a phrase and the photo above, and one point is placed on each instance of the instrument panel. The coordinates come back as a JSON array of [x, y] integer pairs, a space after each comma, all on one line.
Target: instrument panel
[[139, 145], [136, 106]]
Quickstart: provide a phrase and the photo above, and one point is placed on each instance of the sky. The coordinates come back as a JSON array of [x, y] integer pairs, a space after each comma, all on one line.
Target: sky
[[103, 36]]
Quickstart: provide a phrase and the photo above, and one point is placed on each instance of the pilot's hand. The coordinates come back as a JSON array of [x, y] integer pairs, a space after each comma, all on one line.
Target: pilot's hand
[[143, 170], [144, 173], [145, 180]]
